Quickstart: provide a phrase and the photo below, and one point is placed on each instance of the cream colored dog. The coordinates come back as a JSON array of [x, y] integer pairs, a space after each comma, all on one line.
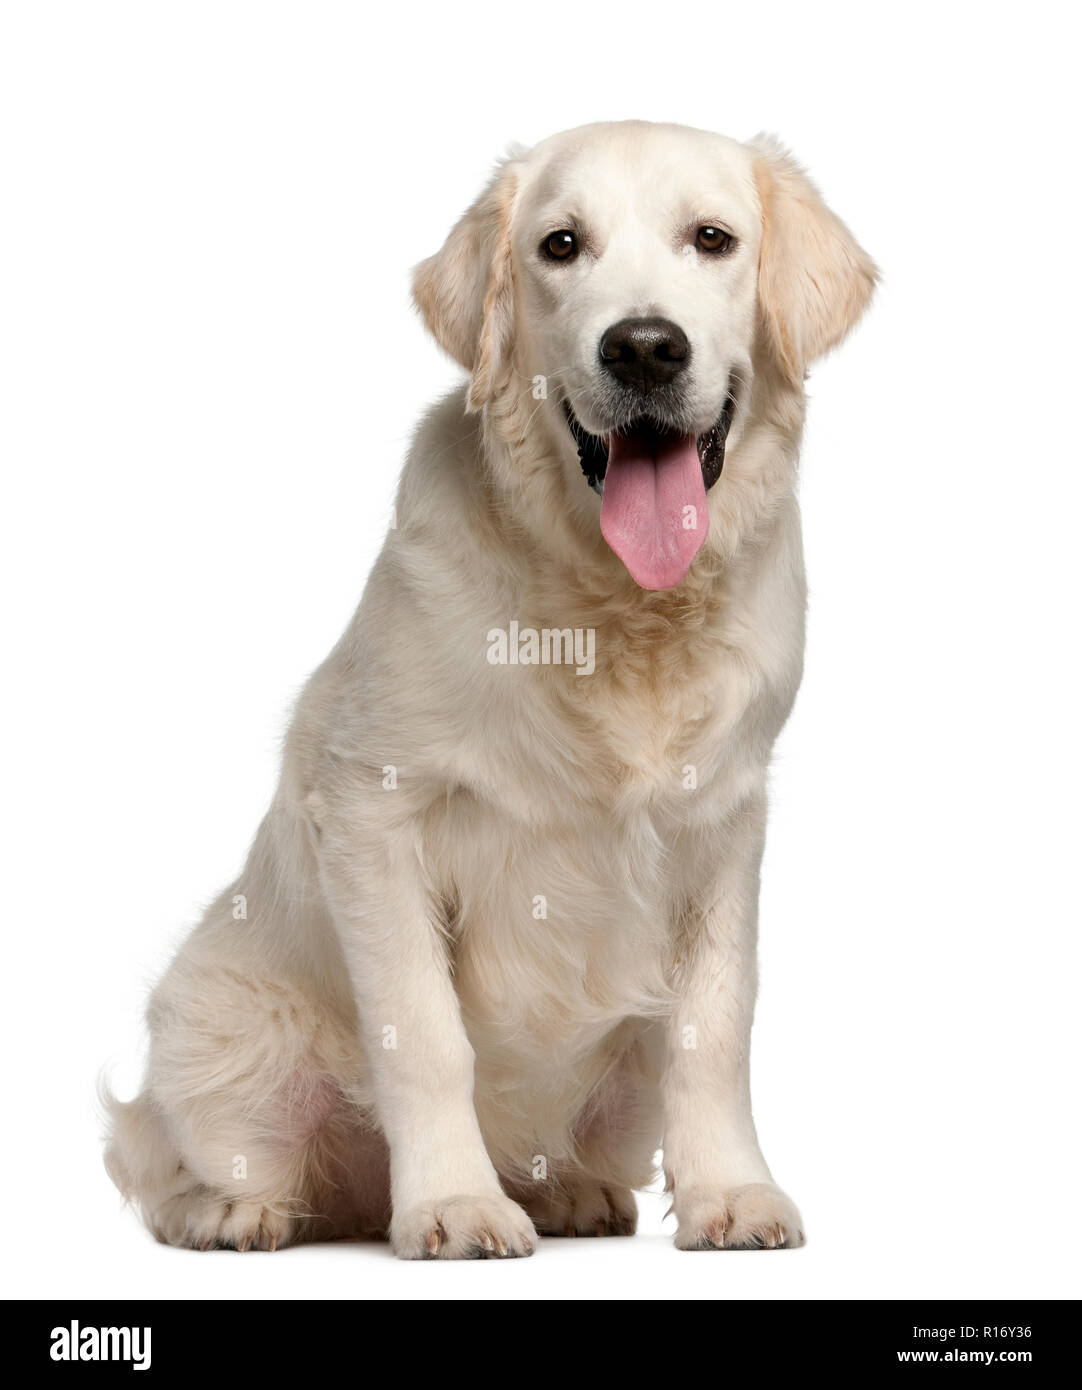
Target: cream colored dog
[[495, 940]]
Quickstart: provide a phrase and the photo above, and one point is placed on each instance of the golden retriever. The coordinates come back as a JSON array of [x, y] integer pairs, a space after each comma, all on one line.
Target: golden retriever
[[495, 940]]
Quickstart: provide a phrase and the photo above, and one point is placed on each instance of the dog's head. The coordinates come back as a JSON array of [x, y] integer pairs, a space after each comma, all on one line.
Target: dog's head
[[625, 280]]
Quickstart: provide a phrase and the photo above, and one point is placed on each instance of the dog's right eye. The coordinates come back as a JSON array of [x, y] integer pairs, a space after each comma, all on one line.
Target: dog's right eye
[[560, 246]]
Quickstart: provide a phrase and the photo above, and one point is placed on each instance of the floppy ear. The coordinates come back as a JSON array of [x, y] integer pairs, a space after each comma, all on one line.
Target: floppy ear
[[814, 280], [465, 292]]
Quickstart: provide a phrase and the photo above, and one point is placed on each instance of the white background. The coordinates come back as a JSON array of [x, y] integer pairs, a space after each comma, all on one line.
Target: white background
[[209, 374]]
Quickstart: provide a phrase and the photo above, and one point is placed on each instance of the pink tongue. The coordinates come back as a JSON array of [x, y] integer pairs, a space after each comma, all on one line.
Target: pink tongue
[[653, 509]]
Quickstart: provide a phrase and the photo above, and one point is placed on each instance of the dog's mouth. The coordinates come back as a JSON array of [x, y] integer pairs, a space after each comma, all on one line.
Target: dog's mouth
[[653, 482]]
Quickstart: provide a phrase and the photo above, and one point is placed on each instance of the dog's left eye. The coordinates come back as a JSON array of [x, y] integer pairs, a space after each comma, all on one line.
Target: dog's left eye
[[560, 246], [713, 239]]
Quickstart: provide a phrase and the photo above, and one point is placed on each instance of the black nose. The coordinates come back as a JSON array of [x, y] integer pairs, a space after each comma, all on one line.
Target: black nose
[[645, 353]]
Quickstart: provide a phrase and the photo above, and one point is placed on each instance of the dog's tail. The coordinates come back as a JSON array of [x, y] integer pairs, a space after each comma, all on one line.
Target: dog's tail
[[140, 1156]]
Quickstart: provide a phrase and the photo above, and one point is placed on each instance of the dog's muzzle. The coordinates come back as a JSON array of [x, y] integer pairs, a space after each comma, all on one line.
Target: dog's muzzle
[[652, 480], [594, 448]]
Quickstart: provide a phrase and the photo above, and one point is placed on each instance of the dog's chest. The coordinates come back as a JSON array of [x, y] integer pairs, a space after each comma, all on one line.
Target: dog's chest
[[567, 877], [560, 929], [573, 855], [657, 718]]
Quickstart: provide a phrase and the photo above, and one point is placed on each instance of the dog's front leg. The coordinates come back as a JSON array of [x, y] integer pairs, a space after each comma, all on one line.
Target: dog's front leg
[[446, 1199], [723, 1193]]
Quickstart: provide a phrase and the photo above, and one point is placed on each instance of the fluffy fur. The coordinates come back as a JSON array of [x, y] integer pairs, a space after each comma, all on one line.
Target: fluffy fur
[[495, 939]]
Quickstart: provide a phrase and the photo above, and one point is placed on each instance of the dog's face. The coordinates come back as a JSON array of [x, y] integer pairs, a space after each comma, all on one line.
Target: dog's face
[[638, 273], [625, 279]]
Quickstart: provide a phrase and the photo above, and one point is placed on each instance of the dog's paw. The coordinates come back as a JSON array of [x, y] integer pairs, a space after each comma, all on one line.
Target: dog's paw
[[201, 1219], [757, 1216], [464, 1228], [586, 1209]]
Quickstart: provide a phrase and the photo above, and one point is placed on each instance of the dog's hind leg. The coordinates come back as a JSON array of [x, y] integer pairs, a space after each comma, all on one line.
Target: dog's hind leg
[[616, 1138], [247, 1134], [145, 1162], [581, 1206]]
